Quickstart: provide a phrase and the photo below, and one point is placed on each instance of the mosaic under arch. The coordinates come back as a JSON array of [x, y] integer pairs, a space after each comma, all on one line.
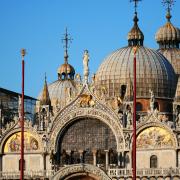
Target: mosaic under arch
[[13, 144], [155, 137]]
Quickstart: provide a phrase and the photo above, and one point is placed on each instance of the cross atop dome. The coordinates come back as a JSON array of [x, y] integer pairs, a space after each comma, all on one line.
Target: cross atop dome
[[168, 4], [66, 40], [135, 4]]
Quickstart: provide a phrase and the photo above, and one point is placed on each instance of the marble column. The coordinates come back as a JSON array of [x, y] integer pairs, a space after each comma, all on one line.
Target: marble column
[[81, 156], [118, 158], [124, 159], [94, 151], [69, 154], [107, 158]]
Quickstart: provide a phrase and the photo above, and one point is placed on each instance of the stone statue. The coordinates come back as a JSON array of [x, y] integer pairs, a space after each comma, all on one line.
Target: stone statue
[[69, 94], [152, 100], [93, 78], [177, 120], [78, 77], [129, 118], [19, 106], [85, 64]]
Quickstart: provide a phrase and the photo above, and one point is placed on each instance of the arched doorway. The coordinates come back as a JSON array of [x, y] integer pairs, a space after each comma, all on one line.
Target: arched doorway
[[80, 172], [80, 177], [86, 140]]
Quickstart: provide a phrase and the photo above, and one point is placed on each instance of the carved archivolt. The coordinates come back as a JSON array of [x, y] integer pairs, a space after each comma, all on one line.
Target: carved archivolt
[[86, 105], [81, 168], [65, 119]]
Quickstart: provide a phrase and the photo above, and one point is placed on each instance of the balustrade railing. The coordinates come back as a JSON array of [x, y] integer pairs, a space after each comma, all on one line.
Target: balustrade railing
[[27, 174], [117, 172], [112, 172]]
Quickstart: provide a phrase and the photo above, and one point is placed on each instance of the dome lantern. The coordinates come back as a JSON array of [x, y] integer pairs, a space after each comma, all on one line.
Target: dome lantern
[[168, 36], [135, 36]]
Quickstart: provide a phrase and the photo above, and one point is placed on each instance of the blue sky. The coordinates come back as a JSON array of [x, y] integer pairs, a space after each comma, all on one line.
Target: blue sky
[[101, 26]]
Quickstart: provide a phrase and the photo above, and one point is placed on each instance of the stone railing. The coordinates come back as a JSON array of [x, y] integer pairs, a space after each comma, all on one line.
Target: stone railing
[[111, 172], [116, 172], [27, 174]]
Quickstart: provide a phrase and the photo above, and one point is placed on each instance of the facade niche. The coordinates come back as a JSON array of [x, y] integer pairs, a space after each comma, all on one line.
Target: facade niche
[[153, 161]]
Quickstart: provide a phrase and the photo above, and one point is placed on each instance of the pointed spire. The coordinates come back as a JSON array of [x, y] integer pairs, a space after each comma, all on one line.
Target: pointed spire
[[45, 99], [66, 41]]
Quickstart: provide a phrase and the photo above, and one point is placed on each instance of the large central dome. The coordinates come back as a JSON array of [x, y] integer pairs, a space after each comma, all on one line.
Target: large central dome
[[154, 72]]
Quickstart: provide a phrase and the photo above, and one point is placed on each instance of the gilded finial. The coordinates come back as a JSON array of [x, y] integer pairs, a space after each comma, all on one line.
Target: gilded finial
[[66, 41], [23, 52], [168, 4]]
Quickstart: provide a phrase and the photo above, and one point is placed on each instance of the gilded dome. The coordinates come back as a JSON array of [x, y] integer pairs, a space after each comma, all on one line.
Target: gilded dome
[[154, 72], [66, 69]]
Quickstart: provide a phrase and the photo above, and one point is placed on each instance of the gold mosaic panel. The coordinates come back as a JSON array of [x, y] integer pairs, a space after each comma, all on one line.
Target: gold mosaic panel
[[155, 137], [13, 144]]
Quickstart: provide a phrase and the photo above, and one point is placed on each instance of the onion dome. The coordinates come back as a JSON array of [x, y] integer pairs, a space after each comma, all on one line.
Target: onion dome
[[135, 36], [44, 98], [168, 36], [153, 71]]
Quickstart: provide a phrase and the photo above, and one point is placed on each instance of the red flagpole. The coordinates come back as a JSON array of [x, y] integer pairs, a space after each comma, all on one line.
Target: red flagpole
[[134, 119], [23, 52]]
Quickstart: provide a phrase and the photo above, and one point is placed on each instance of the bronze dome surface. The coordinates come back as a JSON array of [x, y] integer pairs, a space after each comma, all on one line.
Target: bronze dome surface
[[66, 69], [154, 72], [59, 91], [173, 56]]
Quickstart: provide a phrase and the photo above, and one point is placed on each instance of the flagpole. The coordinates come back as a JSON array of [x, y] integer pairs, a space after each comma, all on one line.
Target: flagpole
[[134, 118], [23, 53]]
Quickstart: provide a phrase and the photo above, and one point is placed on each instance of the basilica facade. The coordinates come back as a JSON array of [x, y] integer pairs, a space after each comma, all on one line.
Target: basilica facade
[[83, 126]]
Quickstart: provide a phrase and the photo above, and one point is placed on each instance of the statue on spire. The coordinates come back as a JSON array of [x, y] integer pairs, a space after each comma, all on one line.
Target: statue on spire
[[66, 40], [85, 64]]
